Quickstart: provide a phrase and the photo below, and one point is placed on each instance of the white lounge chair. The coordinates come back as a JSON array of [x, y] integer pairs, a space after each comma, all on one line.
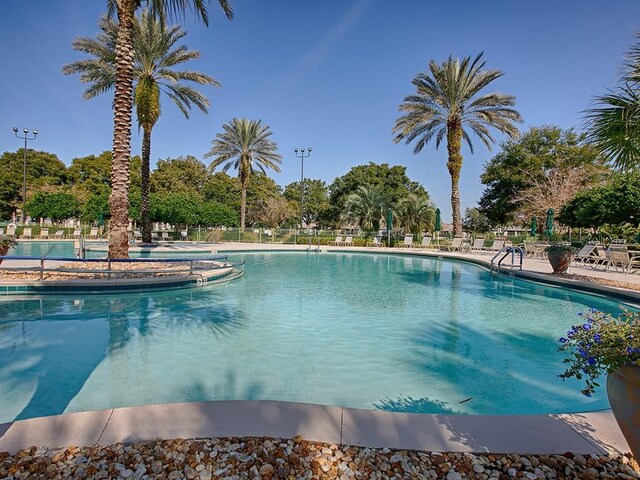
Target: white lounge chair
[[154, 236], [377, 242], [348, 242], [619, 257], [59, 234], [184, 235], [586, 255], [136, 234], [2, 231], [11, 231], [478, 244], [408, 241], [426, 242], [77, 233], [26, 233], [93, 234], [495, 246], [166, 237], [456, 244], [44, 233], [337, 241]]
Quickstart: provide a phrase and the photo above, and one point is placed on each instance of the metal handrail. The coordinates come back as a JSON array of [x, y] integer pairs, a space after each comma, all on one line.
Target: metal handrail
[[506, 251]]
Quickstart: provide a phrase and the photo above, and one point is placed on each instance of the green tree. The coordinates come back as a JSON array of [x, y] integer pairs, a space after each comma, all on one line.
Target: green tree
[[124, 10], [545, 161], [416, 214], [213, 214], [475, 221], [180, 175], [316, 199], [156, 56], [56, 206], [393, 181], [223, 189], [366, 207], [44, 172], [244, 145], [614, 122], [447, 102]]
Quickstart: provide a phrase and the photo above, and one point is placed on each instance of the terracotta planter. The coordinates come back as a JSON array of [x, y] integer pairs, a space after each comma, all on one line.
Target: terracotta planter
[[559, 261], [623, 390], [4, 249]]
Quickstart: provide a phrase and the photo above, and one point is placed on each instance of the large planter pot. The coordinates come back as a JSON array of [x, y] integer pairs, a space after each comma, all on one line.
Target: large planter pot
[[623, 389], [559, 261], [4, 249]]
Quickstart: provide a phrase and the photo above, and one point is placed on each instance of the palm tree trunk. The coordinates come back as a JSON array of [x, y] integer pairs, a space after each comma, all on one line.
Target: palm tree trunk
[[454, 165], [243, 204], [122, 105], [144, 204]]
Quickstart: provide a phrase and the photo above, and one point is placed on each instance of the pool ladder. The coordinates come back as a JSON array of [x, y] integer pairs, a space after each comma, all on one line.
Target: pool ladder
[[506, 252]]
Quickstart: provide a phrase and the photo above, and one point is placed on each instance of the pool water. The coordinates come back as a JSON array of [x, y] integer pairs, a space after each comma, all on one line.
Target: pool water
[[67, 249], [373, 331]]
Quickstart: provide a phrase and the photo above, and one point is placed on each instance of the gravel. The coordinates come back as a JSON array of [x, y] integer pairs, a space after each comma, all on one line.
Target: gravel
[[260, 458]]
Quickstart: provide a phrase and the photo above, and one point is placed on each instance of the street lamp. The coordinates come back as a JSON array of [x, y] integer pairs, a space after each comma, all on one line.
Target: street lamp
[[26, 138], [300, 153]]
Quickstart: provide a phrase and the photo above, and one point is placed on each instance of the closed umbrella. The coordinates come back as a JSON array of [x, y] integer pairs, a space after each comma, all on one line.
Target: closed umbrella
[[438, 225], [534, 226], [389, 219], [548, 225]]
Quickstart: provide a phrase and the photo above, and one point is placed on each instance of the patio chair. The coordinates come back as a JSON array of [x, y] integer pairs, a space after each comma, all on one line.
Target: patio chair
[[619, 256], [11, 231], [337, 241], [26, 233], [184, 235], [426, 242], [496, 246], [478, 244], [77, 233], [93, 234], [154, 236], [586, 255], [2, 231], [377, 242], [408, 241], [136, 234], [59, 234], [348, 242], [44, 233], [166, 237]]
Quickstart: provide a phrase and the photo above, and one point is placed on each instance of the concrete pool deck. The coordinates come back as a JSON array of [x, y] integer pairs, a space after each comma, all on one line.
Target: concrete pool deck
[[584, 433]]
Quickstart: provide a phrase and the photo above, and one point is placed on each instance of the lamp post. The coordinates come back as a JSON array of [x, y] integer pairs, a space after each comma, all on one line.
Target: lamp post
[[300, 153], [26, 138]]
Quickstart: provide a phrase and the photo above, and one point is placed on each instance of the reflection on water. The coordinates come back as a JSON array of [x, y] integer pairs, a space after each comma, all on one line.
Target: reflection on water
[[366, 331]]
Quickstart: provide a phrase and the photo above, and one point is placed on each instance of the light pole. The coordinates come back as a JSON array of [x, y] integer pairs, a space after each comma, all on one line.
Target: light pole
[[300, 153], [26, 138]]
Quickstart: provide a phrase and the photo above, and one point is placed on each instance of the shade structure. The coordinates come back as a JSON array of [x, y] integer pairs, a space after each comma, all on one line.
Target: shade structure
[[548, 224], [534, 226], [389, 219], [438, 225]]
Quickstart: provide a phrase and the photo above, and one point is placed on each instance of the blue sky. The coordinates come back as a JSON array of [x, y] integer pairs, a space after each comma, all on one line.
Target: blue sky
[[328, 74]]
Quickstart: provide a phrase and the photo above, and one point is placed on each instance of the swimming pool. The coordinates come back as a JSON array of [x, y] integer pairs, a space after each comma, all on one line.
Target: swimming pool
[[66, 248], [376, 331]]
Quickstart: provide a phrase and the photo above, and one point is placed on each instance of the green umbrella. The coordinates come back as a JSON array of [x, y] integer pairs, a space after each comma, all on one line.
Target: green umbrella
[[438, 225], [101, 219], [534, 226], [389, 220], [548, 224]]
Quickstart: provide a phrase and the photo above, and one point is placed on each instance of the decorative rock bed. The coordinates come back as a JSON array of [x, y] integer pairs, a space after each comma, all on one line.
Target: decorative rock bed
[[598, 280], [260, 458]]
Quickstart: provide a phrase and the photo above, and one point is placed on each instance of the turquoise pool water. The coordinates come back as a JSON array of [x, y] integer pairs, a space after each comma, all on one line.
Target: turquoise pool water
[[372, 331], [67, 249]]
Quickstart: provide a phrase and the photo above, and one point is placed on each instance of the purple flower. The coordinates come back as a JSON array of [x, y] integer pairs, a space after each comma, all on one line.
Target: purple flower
[[597, 338], [580, 314], [563, 340], [582, 352], [586, 326], [592, 361]]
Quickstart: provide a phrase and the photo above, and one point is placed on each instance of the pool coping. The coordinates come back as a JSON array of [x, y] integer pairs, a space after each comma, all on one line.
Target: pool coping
[[579, 433]]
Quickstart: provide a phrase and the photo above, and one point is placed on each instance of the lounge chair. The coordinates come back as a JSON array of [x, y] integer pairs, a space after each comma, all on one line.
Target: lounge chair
[[408, 241], [426, 242], [456, 245], [586, 255], [377, 242], [1, 231], [11, 231], [59, 234], [478, 244], [154, 236], [619, 256], [44, 233], [26, 233], [337, 241], [348, 242], [93, 234], [496, 246], [77, 233], [136, 234], [184, 235], [166, 237]]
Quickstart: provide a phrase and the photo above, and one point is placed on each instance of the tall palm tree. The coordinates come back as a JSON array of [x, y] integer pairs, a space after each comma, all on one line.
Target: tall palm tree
[[155, 55], [366, 207], [244, 145], [614, 122], [416, 213], [124, 11], [446, 103]]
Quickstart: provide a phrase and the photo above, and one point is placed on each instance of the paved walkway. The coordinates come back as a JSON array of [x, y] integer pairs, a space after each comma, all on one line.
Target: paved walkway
[[584, 433]]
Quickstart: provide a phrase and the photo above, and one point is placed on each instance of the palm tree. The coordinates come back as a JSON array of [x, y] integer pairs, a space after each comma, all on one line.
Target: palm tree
[[446, 102], [244, 145], [155, 55], [124, 10], [614, 123], [416, 213], [366, 207]]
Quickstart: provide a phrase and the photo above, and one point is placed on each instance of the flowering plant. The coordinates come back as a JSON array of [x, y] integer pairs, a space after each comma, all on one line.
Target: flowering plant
[[601, 344]]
